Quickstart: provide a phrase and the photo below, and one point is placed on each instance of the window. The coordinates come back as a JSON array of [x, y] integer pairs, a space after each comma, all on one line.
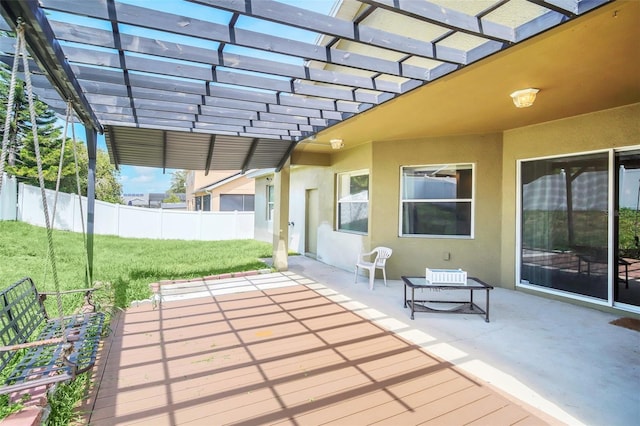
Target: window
[[270, 196], [353, 201], [236, 202], [437, 200], [203, 202]]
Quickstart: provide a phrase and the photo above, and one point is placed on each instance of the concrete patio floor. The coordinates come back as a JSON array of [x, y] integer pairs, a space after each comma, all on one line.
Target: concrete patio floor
[[310, 346]]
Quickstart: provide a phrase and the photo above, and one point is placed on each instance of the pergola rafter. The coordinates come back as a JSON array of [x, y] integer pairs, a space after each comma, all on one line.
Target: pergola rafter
[[261, 75]]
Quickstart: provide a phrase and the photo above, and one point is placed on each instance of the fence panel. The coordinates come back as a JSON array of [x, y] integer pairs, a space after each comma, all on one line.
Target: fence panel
[[137, 222], [180, 225], [226, 224], [8, 198], [134, 222]]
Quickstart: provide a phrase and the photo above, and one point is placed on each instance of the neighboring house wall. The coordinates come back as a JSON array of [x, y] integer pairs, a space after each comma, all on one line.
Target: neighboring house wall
[[241, 185], [197, 182]]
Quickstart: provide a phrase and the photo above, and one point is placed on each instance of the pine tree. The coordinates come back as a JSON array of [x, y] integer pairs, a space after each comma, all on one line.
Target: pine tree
[[21, 159]]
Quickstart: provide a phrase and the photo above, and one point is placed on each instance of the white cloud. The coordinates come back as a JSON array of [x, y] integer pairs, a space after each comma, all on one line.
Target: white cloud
[[141, 180], [143, 174]]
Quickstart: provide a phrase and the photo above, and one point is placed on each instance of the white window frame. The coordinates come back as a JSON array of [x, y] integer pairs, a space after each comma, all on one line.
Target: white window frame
[[270, 195], [339, 195], [471, 201]]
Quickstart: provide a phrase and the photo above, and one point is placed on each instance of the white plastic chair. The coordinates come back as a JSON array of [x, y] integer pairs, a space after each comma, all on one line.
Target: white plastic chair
[[377, 258]]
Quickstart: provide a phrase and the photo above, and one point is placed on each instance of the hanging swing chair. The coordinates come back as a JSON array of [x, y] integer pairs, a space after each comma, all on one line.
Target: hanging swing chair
[[64, 346]]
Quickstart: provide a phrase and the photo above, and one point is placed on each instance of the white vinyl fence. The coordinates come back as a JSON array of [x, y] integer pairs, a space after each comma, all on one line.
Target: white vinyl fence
[[8, 198], [132, 222]]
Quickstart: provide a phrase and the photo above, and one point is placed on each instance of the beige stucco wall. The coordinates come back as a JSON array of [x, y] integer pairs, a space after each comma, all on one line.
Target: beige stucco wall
[[335, 248], [614, 128], [342, 248], [479, 256], [490, 254]]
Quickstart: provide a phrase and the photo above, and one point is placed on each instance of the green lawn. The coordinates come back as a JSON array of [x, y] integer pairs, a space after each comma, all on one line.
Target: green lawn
[[127, 264]]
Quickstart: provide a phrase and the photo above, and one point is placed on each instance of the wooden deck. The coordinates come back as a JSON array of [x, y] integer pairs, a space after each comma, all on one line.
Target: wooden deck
[[279, 355]]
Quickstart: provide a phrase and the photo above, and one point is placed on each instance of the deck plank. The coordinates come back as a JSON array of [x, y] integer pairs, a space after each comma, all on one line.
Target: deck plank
[[280, 356]]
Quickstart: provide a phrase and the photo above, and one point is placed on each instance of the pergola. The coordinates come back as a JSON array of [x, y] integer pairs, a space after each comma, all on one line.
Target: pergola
[[223, 84]]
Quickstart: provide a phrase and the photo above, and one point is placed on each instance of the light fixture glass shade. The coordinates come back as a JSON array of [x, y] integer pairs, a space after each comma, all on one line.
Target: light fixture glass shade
[[336, 143], [524, 98]]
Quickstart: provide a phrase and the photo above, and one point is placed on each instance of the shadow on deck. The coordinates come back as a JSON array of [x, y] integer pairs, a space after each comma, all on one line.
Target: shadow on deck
[[282, 349]]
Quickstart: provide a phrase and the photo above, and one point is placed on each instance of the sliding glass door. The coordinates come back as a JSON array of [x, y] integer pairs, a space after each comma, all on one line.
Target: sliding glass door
[[564, 229], [564, 224], [626, 289]]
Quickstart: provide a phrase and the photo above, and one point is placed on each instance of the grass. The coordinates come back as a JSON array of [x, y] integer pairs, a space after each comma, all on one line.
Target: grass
[[126, 266]]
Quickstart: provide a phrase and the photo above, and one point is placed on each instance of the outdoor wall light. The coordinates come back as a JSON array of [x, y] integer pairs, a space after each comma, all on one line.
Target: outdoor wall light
[[524, 98], [336, 143]]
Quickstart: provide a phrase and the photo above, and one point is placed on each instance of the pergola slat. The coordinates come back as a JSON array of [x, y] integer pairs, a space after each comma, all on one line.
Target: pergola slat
[[217, 119], [317, 22], [448, 18], [215, 66]]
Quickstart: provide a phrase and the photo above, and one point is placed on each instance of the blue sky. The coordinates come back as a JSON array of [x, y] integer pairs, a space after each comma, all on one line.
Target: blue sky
[[134, 179]]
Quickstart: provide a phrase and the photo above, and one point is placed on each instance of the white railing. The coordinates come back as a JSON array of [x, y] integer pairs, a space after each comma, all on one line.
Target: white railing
[[131, 222]]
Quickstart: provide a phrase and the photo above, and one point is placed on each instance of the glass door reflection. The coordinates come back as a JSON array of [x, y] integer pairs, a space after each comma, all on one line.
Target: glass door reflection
[[627, 226]]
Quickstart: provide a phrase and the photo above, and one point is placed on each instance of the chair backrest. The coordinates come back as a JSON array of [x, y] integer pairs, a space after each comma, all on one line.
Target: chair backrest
[[383, 254], [21, 314]]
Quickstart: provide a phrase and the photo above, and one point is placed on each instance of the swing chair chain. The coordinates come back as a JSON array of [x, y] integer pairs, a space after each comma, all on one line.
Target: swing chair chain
[[36, 145], [65, 354], [10, 96]]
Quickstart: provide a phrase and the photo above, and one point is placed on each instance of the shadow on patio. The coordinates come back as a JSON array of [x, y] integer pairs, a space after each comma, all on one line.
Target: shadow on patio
[[296, 348]]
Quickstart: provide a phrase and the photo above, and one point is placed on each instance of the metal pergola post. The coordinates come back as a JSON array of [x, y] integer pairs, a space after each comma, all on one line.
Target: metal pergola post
[[91, 196]]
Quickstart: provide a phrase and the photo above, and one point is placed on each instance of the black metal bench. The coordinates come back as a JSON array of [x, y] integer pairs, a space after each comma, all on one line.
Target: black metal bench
[[57, 353]]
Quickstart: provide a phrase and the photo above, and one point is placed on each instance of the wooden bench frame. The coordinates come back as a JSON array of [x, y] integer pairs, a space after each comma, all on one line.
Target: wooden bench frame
[[58, 353]]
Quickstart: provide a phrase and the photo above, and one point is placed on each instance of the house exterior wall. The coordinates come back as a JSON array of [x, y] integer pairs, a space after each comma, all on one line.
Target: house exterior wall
[[479, 256], [490, 254], [335, 248], [614, 128]]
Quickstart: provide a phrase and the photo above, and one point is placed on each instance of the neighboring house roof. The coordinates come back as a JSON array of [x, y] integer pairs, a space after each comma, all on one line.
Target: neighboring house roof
[[219, 183], [254, 174]]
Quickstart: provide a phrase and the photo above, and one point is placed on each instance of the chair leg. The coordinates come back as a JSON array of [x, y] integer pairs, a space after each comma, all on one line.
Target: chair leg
[[384, 275], [372, 277], [355, 278]]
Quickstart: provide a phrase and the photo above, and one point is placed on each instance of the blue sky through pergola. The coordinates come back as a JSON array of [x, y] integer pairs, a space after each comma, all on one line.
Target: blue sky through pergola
[[142, 180]]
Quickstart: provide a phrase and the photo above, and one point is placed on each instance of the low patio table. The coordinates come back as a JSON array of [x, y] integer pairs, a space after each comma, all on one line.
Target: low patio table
[[463, 307]]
